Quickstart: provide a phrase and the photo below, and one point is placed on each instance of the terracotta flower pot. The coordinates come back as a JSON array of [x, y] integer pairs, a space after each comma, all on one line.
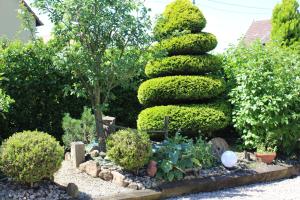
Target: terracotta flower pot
[[266, 157], [152, 168]]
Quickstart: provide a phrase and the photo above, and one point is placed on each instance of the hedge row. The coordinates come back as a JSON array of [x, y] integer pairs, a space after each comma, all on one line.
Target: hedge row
[[183, 65], [189, 44], [176, 89], [189, 119], [190, 19]]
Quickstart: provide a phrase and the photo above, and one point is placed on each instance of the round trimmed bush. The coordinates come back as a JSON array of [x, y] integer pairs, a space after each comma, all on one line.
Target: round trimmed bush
[[180, 15], [189, 119], [129, 149], [189, 44], [30, 156], [183, 65], [177, 89]]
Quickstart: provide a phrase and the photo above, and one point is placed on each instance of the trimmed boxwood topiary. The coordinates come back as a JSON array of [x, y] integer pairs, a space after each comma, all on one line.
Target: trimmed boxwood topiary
[[190, 119], [189, 44], [183, 65], [129, 149], [191, 19], [30, 156], [176, 89]]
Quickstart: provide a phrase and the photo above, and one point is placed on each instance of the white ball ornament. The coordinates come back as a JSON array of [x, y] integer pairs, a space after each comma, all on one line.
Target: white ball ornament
[[229, 159]]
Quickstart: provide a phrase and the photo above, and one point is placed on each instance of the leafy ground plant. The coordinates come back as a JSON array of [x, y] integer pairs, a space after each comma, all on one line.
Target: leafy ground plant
[[177, 154]]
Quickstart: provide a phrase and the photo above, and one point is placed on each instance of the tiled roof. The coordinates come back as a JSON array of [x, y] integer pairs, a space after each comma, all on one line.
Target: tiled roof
[[258, 30], [38, 22]]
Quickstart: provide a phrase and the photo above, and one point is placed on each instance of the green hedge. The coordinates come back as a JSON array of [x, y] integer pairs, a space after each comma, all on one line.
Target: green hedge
[[190, 119], [176, 89], [180, 15], [183, 65], [189, 44]]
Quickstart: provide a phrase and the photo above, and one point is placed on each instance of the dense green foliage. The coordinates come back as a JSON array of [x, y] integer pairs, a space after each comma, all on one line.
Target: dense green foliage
[[38, 86], [286, 23], [174, 156], [191, 19], [188, 44], [178, 89], [5, 100], [129, 149], [265, 95], [82, 129], [30, 156], [190, 76], [189, 119], [183, 65]]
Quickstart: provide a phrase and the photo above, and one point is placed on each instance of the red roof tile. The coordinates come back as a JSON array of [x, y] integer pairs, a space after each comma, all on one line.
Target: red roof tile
[[258, 30]]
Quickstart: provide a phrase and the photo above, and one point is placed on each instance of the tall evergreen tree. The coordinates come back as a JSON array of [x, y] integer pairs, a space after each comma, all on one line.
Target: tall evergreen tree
[[183, 85], [286, 23]]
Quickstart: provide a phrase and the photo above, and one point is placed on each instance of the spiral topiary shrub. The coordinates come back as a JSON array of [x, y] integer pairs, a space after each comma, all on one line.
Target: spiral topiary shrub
[[177, 89], [185, 82], [129, 149], [191, 19], [30, 156], [183, 65]]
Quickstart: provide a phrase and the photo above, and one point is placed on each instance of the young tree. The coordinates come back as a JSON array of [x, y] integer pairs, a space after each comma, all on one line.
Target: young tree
[[104, 41], [286, 23]]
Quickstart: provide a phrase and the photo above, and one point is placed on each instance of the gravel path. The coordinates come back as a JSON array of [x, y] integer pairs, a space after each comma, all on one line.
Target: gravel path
[[87, 185], [280, 190]]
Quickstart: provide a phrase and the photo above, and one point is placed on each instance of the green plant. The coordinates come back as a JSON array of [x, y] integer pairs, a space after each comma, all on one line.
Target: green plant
[[265, 95], [30, 156], [129, 149], [192, 78], [261, 148], [5, 100], [178, 154], [191, 19], [82, 129]]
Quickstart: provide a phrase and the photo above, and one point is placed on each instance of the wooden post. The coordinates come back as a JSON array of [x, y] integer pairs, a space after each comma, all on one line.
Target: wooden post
[[166, 127]]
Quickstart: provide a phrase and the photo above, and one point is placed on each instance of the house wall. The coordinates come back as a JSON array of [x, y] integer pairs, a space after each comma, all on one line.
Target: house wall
[[10, 25]]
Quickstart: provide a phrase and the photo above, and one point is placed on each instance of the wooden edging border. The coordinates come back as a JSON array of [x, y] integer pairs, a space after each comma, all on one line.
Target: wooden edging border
[[271, 173]]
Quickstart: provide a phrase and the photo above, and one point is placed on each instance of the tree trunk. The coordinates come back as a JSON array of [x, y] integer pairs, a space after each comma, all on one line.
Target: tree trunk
[[99, 119]]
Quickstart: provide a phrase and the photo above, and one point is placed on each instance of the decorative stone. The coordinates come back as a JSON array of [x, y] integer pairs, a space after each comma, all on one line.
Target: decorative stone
[[119, 179], [106, 175], [102, 154], [68, 156], [219, 146], [94, 153], [77, 153], [152, 168], [72, 190], [90, 167], [133, 186]]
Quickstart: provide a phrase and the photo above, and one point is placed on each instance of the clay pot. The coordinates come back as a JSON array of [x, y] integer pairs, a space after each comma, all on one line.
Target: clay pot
[[152, 168], [266, 157]]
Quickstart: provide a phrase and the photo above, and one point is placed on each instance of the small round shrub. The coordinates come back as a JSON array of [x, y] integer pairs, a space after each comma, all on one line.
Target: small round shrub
[[177, 89], [180, 15], [129, 149], [183, 65], [30, 156], [189, 44], [189, 119]]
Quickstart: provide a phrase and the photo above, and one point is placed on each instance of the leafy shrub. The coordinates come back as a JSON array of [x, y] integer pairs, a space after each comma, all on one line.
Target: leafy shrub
[[177, 154], [30, 156], [129, 149], [265, 95], [189, 119], [79, 129], [191, 19], [183, 65], [188, 44], [176, 89]]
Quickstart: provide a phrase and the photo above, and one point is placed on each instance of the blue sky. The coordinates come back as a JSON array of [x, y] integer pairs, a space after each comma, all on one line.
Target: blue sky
[[227, 19]]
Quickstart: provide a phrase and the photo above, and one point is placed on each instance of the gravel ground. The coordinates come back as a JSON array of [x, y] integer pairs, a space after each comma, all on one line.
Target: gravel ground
[[280, 190], [87, 185]]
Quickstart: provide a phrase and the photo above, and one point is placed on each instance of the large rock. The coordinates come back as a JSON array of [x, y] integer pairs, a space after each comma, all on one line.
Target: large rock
[[119, 179], [106, 175], [90, 167], [77, 153], [219, 146], [94, 153], [72, 190]]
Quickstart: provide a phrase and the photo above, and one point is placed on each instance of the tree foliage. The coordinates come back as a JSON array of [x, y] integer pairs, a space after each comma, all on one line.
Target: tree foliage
[[103, 44]]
